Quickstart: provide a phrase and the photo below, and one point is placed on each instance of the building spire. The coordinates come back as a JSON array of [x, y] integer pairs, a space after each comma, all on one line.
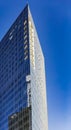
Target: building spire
[[27, 2]]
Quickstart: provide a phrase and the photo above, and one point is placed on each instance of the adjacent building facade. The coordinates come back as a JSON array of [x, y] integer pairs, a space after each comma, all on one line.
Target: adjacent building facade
[[20, 120], [22, 77]]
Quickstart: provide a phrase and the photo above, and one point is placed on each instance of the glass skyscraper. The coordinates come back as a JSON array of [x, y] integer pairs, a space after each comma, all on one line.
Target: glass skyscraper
[[22, 77]]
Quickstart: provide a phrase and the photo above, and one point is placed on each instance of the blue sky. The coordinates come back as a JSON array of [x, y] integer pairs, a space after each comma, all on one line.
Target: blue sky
[[53, 23]]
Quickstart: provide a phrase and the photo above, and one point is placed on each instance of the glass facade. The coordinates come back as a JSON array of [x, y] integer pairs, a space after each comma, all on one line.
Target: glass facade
[[20, 120], [14, 67], [22, 74]]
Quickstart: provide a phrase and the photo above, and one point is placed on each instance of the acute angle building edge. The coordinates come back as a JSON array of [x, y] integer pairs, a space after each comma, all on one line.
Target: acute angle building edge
[[23, 103]]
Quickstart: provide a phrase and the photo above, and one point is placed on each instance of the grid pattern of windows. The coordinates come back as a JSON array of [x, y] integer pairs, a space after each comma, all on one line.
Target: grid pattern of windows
[[22, 77], [14, 66], [20, 120]]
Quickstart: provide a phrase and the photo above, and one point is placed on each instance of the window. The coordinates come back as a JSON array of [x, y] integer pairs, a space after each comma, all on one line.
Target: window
[[26, 57], [10, 38], [25, 47], [25, 36], [25, 42], [25, 22]]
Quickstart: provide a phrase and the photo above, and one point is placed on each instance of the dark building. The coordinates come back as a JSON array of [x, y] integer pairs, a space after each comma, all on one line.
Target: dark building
[[22, 76], [20, 120]]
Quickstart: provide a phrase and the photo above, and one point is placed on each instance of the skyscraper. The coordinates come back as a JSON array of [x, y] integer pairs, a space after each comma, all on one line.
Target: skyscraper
[[22, 77]]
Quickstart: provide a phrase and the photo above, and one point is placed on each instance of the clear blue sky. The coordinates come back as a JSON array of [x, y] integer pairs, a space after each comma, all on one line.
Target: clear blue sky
[[53, 22]]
